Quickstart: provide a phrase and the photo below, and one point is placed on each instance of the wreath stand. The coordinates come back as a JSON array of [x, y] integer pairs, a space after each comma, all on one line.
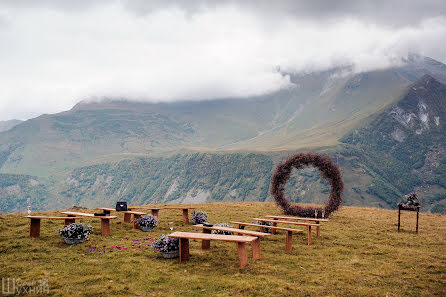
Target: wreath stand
[[407, 208]]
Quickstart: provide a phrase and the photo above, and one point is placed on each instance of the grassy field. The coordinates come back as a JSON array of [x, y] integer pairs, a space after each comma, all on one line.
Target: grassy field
[[359, 253]]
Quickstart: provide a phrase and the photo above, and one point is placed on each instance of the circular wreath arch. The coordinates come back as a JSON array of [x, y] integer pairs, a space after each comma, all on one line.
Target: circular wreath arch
[[329, 171]]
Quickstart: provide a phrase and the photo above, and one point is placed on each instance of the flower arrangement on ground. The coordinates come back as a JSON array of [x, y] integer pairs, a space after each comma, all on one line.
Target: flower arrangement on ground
[[168, 246], [199, 217], [147, 222], [75, 233], [223, 232]]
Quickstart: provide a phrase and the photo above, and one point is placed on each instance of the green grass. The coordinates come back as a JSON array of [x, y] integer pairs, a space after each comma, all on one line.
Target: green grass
[[359, 253]]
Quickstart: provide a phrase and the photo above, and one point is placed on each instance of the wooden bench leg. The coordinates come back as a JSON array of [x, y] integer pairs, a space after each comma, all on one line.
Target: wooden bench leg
[[318, 230], [105, 227], [418, 212], [185, 216], [242, 254], [289, 241], [155, 212], [184, 249], [135, 225], [34, 228], [127, 218], [309, 235], [255, 245], [69, 221], [273, 231], [206, 244]]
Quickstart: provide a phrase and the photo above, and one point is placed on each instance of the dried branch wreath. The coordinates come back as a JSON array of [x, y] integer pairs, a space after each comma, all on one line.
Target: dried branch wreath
[[329, 171]]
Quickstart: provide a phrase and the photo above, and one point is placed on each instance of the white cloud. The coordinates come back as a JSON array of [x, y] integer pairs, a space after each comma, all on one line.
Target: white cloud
[[52, 58]]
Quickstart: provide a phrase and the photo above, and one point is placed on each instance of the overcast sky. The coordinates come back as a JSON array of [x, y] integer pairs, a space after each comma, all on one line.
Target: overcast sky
[[55, 53]]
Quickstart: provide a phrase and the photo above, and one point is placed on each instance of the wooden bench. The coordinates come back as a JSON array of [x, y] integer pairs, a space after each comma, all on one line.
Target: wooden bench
[[34, 226], [239, 240], [105, 220], [127, 215], [316, 220], [309, 225], [155, 211], [206, 244], [289, 232]]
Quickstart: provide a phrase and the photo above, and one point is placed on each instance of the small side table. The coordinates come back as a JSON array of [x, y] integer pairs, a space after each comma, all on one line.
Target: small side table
[[408, 208]]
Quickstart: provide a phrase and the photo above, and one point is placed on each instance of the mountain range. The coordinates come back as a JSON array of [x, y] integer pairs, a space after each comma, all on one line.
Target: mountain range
[[384, 128]]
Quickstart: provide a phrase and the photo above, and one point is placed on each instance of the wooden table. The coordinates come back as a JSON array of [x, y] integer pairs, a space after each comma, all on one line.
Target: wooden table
[[155, 210], [407, 208], [34, 226], [105, 220], [127, 215]]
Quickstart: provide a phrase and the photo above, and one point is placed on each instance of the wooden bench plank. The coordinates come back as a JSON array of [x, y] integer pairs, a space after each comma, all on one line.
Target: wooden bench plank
[[234, 230], [105, 220], [309, 225], [34, 226], [123, 211], [239, 240], [219, 237], [316, 220], [264, 226], [289, 233], [296, 218]]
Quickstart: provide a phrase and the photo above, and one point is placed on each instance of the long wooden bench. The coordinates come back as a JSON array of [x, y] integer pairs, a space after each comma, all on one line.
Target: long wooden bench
[[308, 225], [105, 220], [155, 210], [206, 244], [289, 232], [316, 220], [239, 240], [34, 226], [127, 215]]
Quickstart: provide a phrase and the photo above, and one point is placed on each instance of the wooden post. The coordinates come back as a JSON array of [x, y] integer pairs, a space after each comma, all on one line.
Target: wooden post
[[185, 216], [289, 241], [69, 221], [273, 231], [127, 218], [34, 228], [309, 235], [318, 229], [418, 211], [242, 254], [155, 212], [399, 217], [135, 225], [105, 227], [184, 249], [255, 245], [206, 244]]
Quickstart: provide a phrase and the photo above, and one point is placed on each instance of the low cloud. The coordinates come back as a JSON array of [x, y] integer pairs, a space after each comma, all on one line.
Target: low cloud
[[54, 55]]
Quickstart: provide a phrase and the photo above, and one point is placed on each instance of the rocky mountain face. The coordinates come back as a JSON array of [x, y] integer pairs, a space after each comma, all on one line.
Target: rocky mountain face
[[404, 147]]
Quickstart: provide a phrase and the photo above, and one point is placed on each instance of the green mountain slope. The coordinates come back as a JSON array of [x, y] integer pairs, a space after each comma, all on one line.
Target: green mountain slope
[[404, 147]]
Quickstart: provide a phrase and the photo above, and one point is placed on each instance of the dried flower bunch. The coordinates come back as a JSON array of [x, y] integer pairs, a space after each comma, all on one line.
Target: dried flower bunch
[[329, 171], [223, 232], [199, 217], [149, 221], [76, 231], [166, 244]]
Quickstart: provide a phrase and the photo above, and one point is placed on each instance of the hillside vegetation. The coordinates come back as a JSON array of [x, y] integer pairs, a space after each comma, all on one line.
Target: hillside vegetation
[[359, 253]]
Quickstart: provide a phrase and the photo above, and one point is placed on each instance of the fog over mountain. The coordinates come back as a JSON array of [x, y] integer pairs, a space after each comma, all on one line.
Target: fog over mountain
[[56, 53]]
